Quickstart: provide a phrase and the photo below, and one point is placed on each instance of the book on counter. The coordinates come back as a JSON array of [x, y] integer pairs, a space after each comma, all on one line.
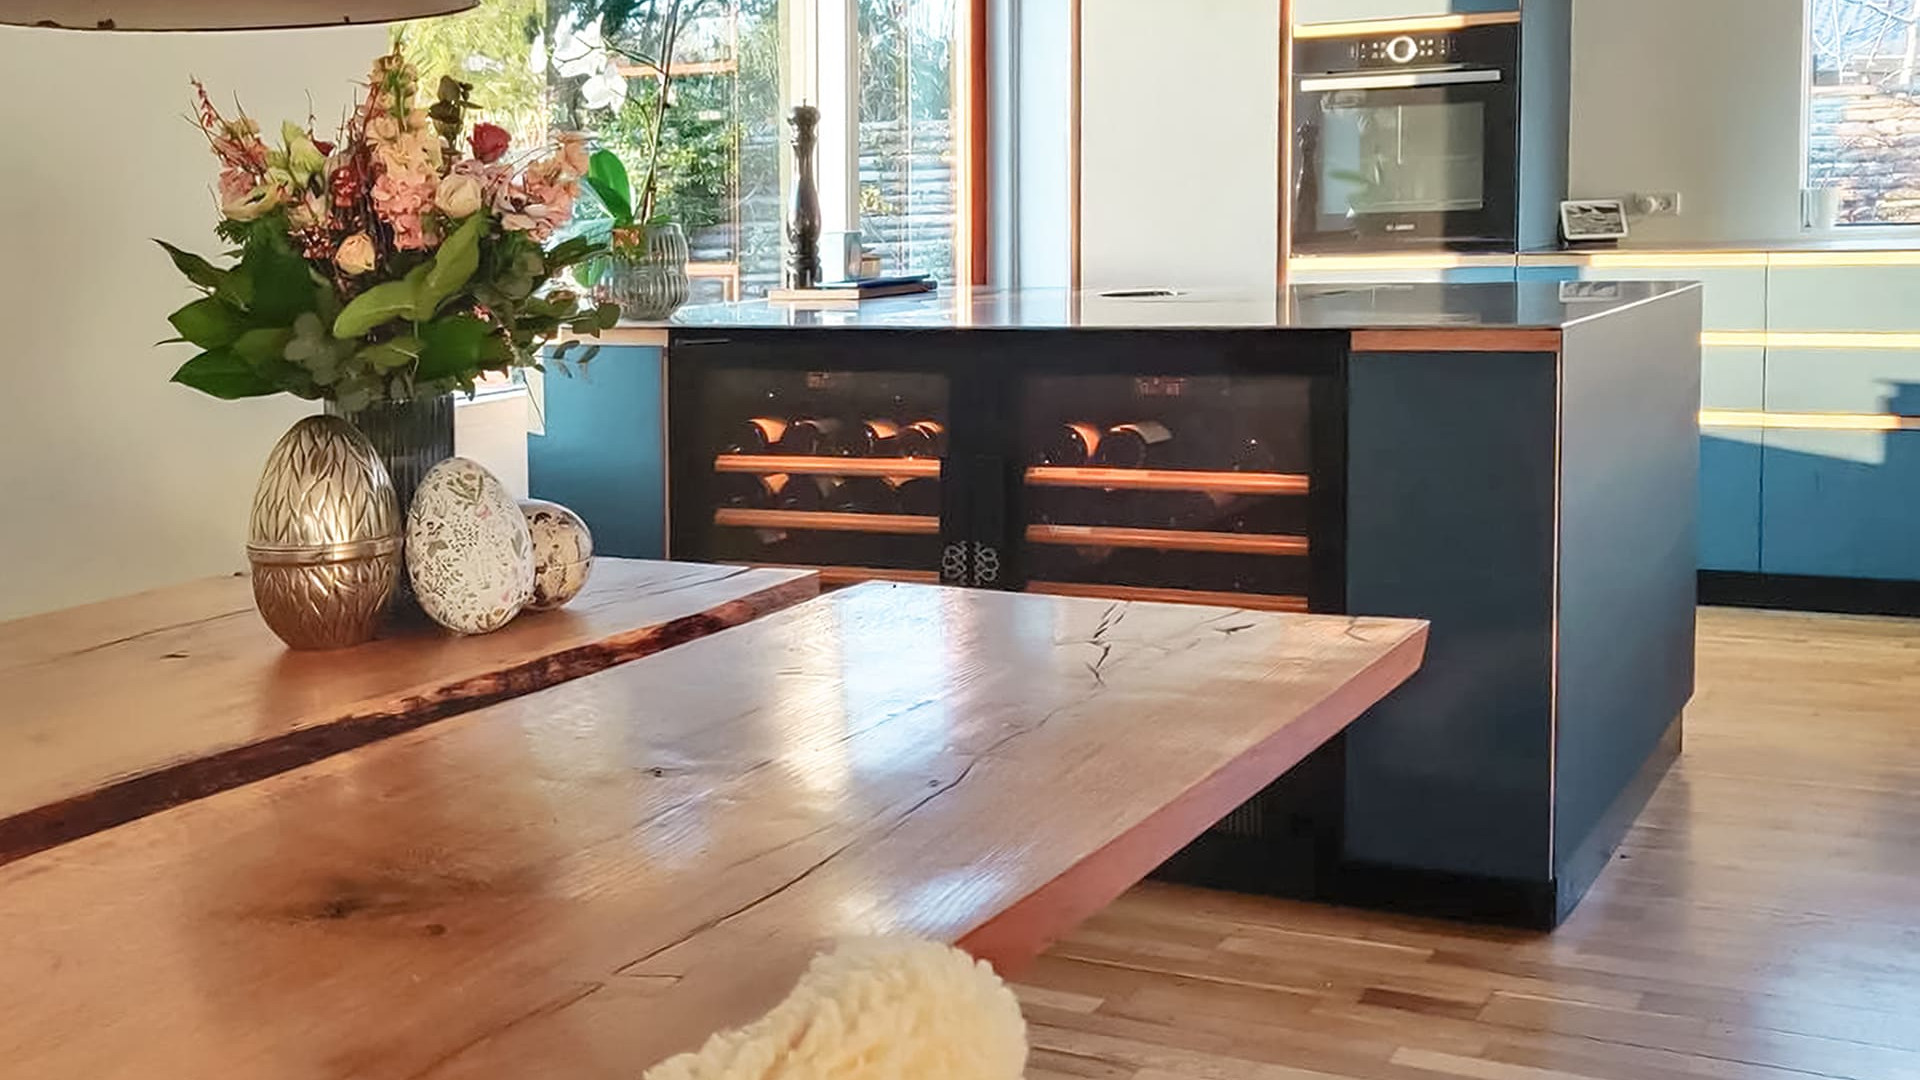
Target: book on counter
[[852, 292]]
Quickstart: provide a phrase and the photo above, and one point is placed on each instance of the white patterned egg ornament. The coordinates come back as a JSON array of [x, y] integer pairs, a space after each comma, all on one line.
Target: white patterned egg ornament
[[562, 553], [469, 552]]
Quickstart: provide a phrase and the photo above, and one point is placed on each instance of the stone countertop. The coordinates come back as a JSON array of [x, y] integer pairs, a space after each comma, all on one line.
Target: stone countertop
[[1489, 306]]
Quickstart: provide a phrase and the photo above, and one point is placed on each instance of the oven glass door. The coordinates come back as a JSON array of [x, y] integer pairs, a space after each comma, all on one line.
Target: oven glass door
[[1383, 162]]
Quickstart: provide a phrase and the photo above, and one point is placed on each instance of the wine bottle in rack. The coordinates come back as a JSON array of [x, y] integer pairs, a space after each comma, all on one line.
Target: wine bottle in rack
[[923, 439], [758, 435], [877, 439], [811, 436], [918, 495], [866, 495], [1072, 444], [812, 493], [751, 490], [1134, 445]]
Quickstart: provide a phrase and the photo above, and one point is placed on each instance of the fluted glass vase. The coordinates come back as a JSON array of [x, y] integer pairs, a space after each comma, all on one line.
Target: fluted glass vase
[[410, 437], [646, 273]]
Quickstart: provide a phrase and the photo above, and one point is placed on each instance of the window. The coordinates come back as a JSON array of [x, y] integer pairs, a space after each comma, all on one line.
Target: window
[[1863, 109], [893, 80]]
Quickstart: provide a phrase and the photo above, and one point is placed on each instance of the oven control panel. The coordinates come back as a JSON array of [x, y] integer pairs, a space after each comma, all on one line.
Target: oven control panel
[[1403, 50]]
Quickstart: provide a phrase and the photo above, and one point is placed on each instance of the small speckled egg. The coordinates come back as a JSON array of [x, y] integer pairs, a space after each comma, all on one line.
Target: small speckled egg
[[469, 554], [562, 553]]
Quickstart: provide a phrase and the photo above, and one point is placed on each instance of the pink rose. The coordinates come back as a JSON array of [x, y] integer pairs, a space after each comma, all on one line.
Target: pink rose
[[489, 141]]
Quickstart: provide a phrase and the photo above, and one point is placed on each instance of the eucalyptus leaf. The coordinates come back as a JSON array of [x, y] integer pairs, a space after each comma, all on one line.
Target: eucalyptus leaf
[[391, 355], [264, 347]]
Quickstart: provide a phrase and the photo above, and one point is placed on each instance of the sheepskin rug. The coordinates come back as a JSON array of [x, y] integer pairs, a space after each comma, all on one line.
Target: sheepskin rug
[[880, 1009]]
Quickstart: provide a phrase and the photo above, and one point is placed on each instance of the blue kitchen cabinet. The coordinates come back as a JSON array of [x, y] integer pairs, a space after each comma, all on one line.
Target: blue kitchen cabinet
[[604, 450], [1842, 504], [1730, 497]]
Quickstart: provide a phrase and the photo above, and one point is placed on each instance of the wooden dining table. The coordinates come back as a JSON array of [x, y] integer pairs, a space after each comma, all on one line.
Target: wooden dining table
[[115, 710], [583, 880]]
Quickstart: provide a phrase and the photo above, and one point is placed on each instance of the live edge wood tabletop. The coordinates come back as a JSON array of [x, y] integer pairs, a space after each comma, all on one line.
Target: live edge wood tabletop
[[115, 710], [581, 881]]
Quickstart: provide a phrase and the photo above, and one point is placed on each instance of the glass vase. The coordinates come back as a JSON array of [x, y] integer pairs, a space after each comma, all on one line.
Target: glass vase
[[647, 277], [410, 437]]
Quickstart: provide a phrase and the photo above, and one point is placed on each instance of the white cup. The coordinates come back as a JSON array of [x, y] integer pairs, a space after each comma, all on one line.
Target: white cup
[[1820, 208]]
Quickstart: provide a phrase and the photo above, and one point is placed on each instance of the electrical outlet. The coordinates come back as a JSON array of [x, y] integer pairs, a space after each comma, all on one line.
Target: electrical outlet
[[1657, 204]]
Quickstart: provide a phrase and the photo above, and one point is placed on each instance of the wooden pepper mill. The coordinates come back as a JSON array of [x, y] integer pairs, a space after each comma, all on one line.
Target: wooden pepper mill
[[803, 224]]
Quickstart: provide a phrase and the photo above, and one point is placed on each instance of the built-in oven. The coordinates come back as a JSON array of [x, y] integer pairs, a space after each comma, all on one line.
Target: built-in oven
[[1407, 139]]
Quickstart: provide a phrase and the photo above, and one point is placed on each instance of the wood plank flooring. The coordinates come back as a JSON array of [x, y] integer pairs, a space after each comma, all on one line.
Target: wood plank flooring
[[1761, 922]]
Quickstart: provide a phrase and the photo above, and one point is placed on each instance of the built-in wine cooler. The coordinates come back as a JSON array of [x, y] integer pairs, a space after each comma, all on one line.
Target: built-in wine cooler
[[835, 469], [1075, 463], [1174, 487]]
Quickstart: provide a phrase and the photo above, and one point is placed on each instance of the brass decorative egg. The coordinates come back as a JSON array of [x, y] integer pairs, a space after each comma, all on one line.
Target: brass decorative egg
[[325, 537]]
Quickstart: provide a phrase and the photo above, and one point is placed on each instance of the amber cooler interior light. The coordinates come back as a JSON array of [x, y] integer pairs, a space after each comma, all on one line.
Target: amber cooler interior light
[[217, 14]]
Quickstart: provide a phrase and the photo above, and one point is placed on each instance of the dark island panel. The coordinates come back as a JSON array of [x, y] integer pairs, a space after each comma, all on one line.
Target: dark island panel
[[1630, 448], [1450, 509]]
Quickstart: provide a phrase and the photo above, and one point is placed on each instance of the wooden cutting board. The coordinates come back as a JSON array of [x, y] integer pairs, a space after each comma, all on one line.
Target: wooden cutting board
[[114, 710]]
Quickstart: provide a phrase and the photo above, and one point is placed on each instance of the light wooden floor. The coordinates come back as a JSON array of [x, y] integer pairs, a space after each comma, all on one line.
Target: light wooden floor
[[1762, 920]]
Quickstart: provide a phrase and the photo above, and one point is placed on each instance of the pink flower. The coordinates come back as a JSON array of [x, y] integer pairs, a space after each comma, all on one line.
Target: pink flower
[[400, 199]]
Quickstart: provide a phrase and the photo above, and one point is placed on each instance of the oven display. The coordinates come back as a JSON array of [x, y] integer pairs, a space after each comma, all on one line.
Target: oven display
[[1404, 50]]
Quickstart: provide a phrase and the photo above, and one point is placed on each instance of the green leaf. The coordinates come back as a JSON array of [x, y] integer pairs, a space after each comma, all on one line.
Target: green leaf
[[452, 266], [607, 179], [223, 374], [283, 285], [197, 270], [207, 323], [383, 303], [236, 287], [608, 315], [587, 354], [391, 355], [264, 348], [452, 346]]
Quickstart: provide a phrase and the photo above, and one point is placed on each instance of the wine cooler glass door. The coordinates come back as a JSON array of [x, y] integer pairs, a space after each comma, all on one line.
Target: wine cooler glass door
[[1195, 487], [833, 469]]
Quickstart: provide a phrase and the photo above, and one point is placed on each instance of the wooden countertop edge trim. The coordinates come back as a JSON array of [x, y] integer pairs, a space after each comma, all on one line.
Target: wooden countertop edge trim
[[135, 797], [655, 336], [1465, 339], [1015, 937]]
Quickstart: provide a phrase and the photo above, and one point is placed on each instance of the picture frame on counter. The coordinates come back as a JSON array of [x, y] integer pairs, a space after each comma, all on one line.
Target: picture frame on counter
[[1587, 221]]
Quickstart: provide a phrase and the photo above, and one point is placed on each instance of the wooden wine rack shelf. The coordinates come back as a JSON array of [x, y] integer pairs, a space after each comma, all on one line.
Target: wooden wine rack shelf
[[828, 521], [1250, 601], [854, 575], [1226, 483], [769, 464], [1167, 539]]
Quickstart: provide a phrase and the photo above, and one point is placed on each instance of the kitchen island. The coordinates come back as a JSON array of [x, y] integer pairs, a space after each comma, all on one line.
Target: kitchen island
[[1515, 463]]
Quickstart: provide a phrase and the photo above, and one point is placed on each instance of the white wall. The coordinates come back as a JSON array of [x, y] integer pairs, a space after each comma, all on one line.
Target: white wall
[[113, 479], [1041, 180], [1180, 151], [1697, 96]]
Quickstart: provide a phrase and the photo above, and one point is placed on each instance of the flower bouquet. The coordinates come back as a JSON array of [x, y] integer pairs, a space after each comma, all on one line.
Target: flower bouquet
[[392, 264]]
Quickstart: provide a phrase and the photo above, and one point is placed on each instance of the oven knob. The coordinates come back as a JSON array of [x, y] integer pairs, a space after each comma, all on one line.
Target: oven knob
[[1402, 50]]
